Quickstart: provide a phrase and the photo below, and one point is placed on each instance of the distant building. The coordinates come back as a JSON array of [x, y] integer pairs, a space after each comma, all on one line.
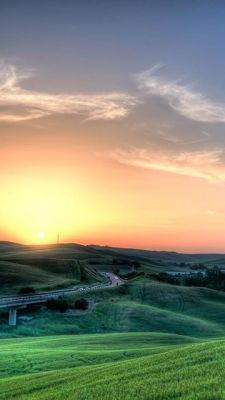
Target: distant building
[[186, 273]]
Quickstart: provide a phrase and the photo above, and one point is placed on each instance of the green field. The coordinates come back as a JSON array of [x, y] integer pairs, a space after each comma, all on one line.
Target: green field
[[143, 340], [121, 366]]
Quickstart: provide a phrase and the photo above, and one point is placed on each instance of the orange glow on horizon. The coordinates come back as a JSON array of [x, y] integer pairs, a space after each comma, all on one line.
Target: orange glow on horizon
[[89, 199]]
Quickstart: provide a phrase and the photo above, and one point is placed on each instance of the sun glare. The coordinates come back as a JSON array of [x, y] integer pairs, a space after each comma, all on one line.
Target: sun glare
[[40, 234]]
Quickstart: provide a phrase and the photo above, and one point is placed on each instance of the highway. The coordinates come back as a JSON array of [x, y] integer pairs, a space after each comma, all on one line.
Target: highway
[[43, 297]]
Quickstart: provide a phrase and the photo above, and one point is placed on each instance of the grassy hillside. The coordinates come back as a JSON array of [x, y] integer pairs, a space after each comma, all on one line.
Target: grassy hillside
[[44, 274], [64, 265], [150, 340], [23, 356], [160, 367], [44, 268], [163, 256], [141, 305]]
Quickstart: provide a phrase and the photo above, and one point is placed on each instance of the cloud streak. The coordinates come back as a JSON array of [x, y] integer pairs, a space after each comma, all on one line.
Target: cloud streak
[[207, 165], [183, 99], [18, 104]]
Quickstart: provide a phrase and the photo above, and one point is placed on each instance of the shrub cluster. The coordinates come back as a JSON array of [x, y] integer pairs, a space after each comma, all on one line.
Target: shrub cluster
[[213, 278], [26, 290], [59, 304], [81, 304], [126, 262]]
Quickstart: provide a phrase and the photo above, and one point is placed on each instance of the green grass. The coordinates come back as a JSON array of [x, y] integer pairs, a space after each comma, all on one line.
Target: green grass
[[14, 276], [23, 356], [150, 340], [122, 366], [44, 274], [50, 267], [141, 305]]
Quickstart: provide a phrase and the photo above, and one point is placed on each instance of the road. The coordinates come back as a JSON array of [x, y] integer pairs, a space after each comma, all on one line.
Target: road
[[18, 300]]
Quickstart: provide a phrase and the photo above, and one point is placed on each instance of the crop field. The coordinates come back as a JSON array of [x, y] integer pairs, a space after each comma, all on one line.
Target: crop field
[[28, 355], [122, 366]]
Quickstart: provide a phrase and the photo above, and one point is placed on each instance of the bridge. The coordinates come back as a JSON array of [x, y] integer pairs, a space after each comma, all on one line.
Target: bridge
[[13, 303]]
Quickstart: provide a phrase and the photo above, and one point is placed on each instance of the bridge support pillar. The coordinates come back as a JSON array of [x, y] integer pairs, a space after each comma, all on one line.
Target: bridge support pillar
[[12, 316]]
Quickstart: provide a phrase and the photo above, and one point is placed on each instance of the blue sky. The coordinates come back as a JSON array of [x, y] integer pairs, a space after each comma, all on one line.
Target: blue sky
[[110, 40]]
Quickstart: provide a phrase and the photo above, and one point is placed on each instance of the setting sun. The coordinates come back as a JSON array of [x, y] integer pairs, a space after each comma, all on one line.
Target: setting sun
[[40, 234]]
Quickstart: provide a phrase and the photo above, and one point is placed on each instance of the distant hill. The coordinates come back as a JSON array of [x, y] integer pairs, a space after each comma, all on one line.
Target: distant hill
[[9, 245], [74, 248], [44, 267], [55, 266], [165, 256]]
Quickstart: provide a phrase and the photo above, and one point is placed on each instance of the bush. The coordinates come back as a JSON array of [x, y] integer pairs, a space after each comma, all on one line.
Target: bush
[[26, 290], [116, 270], [136, 264], [94, 262], [83, 275], [121, 261], [81, 304], [123, 289], [132, 275], [59, 304], [164, 277]]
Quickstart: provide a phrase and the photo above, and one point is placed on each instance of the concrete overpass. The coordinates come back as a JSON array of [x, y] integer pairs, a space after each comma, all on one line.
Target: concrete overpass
[[13, 303]]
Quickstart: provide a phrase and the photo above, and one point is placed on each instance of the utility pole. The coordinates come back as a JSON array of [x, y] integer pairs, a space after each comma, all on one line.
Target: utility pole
[[58, 239]]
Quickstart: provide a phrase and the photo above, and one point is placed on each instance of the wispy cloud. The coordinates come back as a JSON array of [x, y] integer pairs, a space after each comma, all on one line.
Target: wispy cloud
[[182, 98], [207, 165], [18, 104]]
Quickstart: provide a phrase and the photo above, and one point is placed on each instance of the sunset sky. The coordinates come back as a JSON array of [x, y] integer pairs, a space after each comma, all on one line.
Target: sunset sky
[[112, 123]]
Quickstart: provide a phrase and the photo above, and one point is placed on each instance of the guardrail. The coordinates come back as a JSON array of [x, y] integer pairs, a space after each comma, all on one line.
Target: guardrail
[[10, 301]]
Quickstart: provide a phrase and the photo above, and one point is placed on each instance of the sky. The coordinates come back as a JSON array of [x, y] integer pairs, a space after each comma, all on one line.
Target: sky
[[112, 123]]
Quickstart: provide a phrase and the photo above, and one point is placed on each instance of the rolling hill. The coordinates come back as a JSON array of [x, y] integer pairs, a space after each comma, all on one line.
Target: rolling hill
[[145, 339], [56, 266], [125, 366], [43, 268]]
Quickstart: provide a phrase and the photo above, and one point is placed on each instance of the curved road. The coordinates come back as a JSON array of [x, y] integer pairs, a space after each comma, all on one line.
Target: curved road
[[18, 300]]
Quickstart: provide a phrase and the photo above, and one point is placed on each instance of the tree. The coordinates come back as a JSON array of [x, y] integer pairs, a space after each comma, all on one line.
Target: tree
[[83, 275], [59, 304], [81, 304], [135, 264], [26, 290], [116, 270]]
